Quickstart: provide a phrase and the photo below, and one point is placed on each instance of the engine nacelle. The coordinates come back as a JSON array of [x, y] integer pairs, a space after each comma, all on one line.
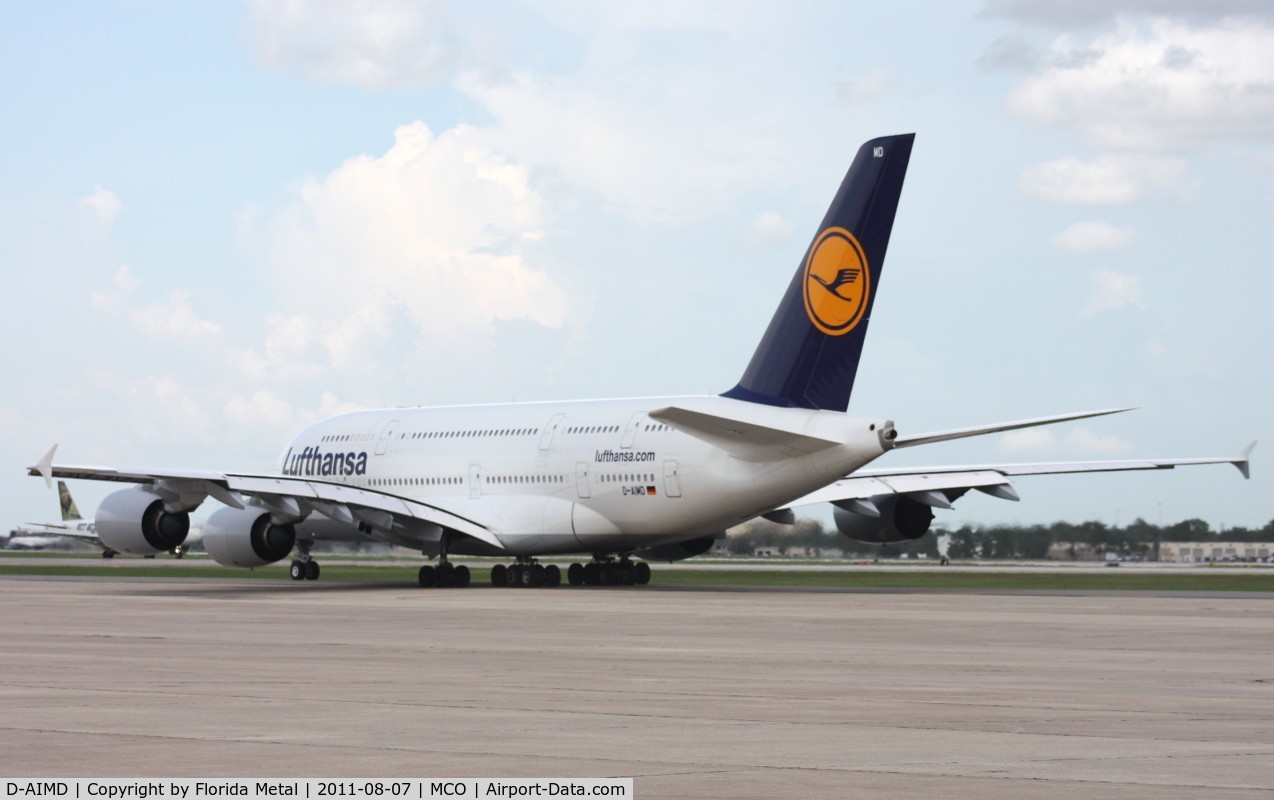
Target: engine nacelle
[[901, 519], [134, 521], [246, 538], [677, 550]]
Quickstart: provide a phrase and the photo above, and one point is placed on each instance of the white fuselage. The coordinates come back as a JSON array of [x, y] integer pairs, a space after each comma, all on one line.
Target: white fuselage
[[583, 476]]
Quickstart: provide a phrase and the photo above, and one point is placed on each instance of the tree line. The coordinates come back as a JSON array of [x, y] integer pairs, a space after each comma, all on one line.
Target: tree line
[[1138, 538]]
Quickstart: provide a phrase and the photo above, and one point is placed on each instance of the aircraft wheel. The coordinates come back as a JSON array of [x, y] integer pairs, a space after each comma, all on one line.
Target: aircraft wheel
[[460, 578], [108, 553], [499, 576], [513, 577], [624, 574], [592, 574], [426, 576], [552, 575], [444, 575], [641, 572], [537, 575], [526, 577], [311, 570], [297, 571], [575, 574]]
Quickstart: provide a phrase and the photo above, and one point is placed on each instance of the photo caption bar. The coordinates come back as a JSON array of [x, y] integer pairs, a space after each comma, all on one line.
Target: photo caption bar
[[312, 789]]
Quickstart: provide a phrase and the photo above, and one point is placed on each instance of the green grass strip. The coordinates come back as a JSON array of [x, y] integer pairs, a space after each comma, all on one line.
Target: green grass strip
[[1223, 580]]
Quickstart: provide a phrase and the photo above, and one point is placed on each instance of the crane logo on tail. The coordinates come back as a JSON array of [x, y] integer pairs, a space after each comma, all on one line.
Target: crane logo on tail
[[837, 282]]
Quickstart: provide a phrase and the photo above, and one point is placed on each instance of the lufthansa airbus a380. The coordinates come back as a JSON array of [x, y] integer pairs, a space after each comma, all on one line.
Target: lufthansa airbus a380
[[656, 478]]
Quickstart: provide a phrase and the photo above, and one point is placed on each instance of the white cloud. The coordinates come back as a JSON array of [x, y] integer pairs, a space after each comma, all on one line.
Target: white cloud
[[1027, 440], [125, 284], [266, 414], [1089, 237], [374, 43], [1105, 180], [1113, 291], [1076, 442], [432, 232], [1174, 86], [598, 142], [658, 118], [1010, 53], [174, 317], [769, 228], [1085, 442], [1070, 13], [156, 408], [874, 84], [263, 409], [105, 204]]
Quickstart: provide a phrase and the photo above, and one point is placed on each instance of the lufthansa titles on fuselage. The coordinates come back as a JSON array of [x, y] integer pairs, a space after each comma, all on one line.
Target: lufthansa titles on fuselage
[[622, 456], [312, 462]]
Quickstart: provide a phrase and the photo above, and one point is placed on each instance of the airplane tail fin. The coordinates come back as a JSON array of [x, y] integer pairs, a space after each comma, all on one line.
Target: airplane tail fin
[[809, 354], [69, 511]]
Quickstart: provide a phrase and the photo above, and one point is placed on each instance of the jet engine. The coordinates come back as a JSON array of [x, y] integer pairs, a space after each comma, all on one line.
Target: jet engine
[[677, 550], [901, 519], [134, 521], [246, 538]]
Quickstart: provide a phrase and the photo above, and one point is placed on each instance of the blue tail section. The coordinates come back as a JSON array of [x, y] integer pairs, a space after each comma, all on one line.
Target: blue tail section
[[810, 352]]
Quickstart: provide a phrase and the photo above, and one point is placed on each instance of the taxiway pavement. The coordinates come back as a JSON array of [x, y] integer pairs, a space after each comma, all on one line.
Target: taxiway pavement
[[692, 693]]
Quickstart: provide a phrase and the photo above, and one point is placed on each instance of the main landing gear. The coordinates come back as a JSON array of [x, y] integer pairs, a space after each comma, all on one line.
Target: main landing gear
[[304, 567], [446, 575], [603, 570], [606, 571], [527, 574]]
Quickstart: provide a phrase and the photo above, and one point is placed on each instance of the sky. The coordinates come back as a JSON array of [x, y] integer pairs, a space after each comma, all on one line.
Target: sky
[[221, 222]]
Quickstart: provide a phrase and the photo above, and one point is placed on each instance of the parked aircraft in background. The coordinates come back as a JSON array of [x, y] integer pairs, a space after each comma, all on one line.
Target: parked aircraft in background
[[652, 478], [42, 535]]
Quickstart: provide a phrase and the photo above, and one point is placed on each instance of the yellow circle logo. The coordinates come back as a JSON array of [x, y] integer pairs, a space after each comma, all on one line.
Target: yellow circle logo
[[837, 282]]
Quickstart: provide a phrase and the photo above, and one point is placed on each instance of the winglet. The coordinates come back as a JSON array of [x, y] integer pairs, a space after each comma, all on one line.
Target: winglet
[[44, 467], [1242, 461]]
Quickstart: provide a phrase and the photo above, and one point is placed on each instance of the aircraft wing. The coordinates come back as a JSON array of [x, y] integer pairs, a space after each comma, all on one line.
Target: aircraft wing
[[58, 529], [348, 504], [937, 486]]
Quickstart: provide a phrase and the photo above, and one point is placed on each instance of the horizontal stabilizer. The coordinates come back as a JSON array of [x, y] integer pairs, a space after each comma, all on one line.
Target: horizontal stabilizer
[[999, 427], [744, 438]]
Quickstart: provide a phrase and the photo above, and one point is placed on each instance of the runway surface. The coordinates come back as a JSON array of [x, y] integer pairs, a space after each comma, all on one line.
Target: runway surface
[[692, 693]]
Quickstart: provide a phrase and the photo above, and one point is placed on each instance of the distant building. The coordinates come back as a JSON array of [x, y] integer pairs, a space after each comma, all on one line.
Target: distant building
[[797, 552], [1075, 551], [1200, 552]]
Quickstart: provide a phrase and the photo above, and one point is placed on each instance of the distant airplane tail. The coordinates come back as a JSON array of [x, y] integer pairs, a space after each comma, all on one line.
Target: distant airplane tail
[[810, 352], [69, 511]]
